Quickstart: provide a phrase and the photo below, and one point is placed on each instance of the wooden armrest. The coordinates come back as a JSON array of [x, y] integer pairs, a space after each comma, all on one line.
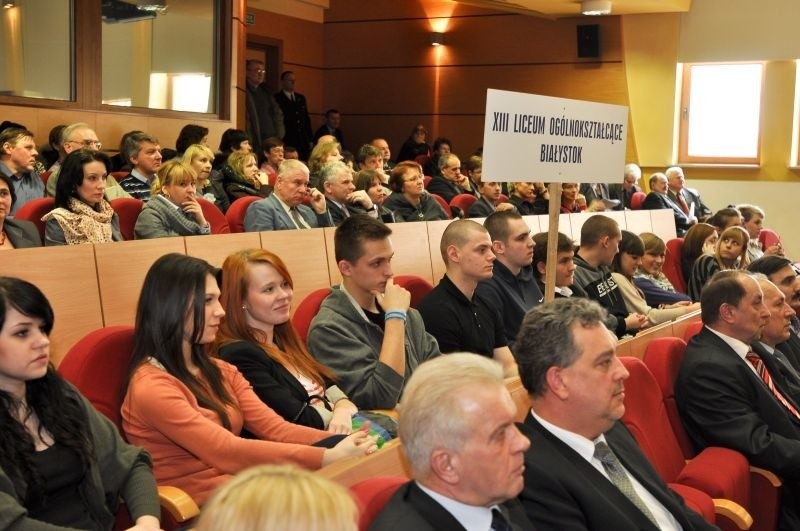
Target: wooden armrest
[[774, 480], [177, 503], [733, 512]]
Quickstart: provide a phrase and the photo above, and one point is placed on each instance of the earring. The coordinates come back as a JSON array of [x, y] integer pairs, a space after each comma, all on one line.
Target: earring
[[244, 308]]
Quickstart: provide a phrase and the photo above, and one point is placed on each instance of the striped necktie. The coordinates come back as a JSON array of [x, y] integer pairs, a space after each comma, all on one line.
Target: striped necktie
[[756, 361]]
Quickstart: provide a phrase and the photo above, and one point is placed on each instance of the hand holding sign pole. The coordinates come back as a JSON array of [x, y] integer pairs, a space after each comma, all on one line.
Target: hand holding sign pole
[[530, 138]]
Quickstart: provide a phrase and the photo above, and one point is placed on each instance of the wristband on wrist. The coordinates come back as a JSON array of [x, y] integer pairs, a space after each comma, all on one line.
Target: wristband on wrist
[[394, 314]]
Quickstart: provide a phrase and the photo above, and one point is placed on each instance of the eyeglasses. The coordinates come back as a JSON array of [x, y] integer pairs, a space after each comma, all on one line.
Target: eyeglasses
[[87, 143]]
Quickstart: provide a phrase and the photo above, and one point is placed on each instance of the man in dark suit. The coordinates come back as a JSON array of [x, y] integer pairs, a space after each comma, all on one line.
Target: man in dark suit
[[630, 185], [341, 193], [264, 118], [782, 273], [295, 116], [686, 197], [771, 345], [721, 396], [584, 469], [658, 198], [283, 210], [451, 182], [331, 127], [465, 452]]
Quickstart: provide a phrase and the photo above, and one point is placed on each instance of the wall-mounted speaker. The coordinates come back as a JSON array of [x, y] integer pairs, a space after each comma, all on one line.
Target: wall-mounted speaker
[[588, 40]]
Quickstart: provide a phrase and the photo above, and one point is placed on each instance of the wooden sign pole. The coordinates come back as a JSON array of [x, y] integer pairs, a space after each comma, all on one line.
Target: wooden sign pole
[[552, 241]]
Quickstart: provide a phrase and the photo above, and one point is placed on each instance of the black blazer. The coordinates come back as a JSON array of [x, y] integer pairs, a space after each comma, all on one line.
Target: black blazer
[[655, 201], [564, 491], [22, 233], [337, 213], [783, 374], [273, 384], [723, 403], [410, 508]]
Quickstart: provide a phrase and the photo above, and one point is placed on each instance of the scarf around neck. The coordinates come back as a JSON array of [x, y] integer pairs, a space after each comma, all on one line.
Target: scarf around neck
[[83, 224]]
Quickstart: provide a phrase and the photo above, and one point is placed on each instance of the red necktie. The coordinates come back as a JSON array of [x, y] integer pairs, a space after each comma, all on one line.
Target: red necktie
[[682, 202], [761, 369]]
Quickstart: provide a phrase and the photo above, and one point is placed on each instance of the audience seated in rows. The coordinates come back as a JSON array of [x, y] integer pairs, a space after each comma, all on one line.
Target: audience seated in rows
[[600, 237], [625, 265], [466, 453], [279, 497], [82, 214], [282, 210], [650, 278], [565, 265], [14, 233], [365, 331], [730, 252], [488, 202], [258, 338], [513, 289], [63, 464], [341, 197], [173, 209], [720, 396], [17, 157], [188, 409], [144, 153], [242, 178], [409, 200], [583, 469], [458, 317]]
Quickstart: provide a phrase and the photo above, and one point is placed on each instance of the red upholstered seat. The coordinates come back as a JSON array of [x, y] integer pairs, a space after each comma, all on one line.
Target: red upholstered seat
[[444, 205], [463, 202], [663, 358], [45, 176], [418, 286], [98, 366], [698, 501], [371, 496], [128, 210], [237, 210], [691, 330], [672, 264], [33, 211], [214, 216], [306, 311], [768, 238], [637, 199], [425, 180]]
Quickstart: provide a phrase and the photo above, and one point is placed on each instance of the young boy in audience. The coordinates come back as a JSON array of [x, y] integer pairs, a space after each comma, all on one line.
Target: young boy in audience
[[365, 331]]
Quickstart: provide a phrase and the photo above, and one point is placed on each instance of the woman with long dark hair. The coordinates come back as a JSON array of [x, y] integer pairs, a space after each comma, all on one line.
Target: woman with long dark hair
[[62, 463], [82, 214], [187, 408]]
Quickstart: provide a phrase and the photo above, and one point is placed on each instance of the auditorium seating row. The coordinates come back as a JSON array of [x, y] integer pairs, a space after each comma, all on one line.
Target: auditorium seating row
[[91, 286]]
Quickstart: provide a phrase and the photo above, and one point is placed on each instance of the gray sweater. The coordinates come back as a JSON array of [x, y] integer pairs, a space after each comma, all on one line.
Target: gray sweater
[[342, 339]]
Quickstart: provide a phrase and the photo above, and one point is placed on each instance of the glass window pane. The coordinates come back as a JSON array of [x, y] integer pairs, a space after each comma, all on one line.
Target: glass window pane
[[160, 58], [36, 37], [724, 110]]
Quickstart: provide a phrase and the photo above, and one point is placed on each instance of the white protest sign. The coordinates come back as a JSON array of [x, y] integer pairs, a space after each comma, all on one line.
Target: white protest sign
[[539, 138]]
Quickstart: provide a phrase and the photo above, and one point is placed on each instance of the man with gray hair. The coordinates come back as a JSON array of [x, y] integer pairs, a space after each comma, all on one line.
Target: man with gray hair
[[451, 182], [630, 185], [76, 136], [283, 209], [685, 197], [340, 193], [465, 452], [144, 152], [584, 469]]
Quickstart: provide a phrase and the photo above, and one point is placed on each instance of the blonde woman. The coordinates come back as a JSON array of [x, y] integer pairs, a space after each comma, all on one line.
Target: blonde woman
[[729, 253], [173, 209], [209, 180], [320, 156], [241, 176], [279, 497]]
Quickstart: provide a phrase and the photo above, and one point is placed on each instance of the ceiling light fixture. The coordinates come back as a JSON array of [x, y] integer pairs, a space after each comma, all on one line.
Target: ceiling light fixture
[[437, 38], [596, 7], [8, 4]]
